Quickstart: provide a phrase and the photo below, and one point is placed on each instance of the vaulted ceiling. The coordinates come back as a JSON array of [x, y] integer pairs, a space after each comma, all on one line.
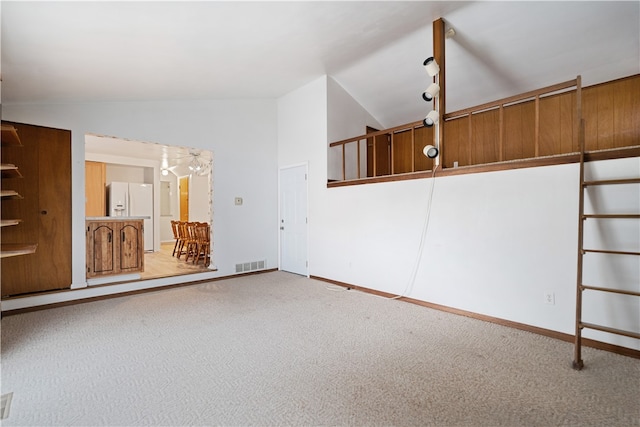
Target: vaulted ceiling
[[128, 51]]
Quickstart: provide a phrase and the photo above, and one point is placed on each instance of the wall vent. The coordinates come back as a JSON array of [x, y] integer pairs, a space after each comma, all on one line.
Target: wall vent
[[251, 266]]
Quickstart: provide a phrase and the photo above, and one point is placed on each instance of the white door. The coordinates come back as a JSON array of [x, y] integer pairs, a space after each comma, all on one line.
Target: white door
[[293, 220]]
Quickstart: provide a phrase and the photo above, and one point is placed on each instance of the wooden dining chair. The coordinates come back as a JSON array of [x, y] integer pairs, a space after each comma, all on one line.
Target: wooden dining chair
[[176, 236], [183, 238], [191, 244], [203, 232]]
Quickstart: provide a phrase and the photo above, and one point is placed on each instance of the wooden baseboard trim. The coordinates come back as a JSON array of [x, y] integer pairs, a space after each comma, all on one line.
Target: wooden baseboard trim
[[128, 293], [521, 326]]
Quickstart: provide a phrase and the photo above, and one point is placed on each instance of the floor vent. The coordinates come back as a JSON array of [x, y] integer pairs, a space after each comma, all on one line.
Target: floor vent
[[6, 403], [250, 266]]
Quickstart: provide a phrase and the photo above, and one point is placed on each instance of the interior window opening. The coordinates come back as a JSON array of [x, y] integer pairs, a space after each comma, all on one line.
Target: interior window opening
[[148, 208]]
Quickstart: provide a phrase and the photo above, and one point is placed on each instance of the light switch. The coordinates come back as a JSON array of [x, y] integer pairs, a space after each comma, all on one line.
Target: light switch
[[238, 201]]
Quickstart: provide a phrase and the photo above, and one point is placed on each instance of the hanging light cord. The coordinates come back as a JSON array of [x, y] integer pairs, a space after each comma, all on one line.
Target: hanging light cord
[[409, 288]]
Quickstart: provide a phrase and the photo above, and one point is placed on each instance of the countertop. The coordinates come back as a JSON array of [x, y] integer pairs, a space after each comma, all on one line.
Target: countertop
[[115, 218]]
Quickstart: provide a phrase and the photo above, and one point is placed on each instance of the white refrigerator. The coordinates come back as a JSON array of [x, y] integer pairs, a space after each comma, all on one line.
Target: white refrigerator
[[126, 199]]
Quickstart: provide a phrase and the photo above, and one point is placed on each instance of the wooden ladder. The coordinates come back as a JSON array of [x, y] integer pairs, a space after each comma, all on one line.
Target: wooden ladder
[[578, 364]]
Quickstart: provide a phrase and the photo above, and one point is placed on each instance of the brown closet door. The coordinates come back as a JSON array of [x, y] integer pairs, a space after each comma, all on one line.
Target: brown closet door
[[45, 163]]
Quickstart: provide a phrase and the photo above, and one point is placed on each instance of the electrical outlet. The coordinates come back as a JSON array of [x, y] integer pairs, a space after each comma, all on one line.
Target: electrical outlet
[[549, 298]]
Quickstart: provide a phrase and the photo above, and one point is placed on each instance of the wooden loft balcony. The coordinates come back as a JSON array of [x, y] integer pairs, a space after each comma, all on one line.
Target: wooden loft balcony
[[537, 128]]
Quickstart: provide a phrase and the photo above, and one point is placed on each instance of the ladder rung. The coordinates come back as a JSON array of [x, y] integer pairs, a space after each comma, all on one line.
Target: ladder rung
[[610, 216], [615, 291], [602, 251], [610, 330], [612, 182]]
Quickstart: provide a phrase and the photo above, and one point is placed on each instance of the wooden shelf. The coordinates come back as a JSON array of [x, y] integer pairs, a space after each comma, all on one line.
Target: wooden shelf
[[15, 249], [10, 194], [9, 135], [9, 171]]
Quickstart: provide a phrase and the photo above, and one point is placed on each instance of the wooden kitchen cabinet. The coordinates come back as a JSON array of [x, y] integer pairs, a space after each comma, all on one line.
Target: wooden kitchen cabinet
[[114, 246], [95, 188]]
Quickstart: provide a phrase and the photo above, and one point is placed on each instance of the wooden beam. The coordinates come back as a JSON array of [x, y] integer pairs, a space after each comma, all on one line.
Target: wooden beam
[[439, 56]]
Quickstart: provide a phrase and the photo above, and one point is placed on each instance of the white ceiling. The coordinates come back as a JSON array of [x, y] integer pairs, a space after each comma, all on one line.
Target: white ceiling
[[175, 159], [126, 51]]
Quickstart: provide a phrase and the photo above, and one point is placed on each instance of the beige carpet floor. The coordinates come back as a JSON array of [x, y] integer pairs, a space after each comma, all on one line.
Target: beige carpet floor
[[279, 349]]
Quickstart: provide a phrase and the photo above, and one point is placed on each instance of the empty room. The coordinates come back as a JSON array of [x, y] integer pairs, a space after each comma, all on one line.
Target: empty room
[[320, 213]]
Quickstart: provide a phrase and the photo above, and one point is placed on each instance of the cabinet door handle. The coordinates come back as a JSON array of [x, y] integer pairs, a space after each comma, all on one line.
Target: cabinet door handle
[[109, 237], [43, 212], [122, 232]]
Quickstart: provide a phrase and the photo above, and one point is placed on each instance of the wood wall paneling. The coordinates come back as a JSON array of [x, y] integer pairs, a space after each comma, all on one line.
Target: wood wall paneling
[[612, 120], [611, 112], [605, 118], [45, 211], [382, 154], [424, 137], [626, 115], [513, 133], [485, 133], [520, 134], [568, 143], [402, 152], [95, 190], [590, 116], [454, 144], [457, 142], [557, 124], [549, 143]]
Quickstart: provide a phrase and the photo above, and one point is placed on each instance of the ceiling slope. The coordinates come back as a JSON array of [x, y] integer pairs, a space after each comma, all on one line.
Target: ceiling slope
[[129, 51]]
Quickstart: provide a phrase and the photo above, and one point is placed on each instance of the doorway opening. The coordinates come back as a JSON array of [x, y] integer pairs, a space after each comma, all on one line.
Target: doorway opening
[[181, 178]]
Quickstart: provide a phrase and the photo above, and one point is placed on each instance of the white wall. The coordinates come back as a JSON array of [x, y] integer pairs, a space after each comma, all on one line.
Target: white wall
[[302, 138], [495, 242], [241, 133]]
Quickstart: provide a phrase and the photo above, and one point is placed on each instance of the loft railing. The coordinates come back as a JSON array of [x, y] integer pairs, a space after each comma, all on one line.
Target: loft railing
[[534, 96], [398, 150], [379, 153]]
